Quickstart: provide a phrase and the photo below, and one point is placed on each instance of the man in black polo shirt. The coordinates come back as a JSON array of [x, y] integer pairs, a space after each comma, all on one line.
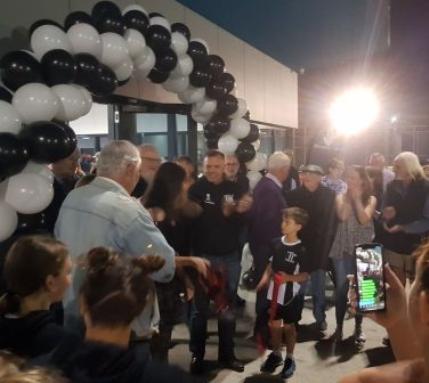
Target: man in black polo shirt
[[216, 237]]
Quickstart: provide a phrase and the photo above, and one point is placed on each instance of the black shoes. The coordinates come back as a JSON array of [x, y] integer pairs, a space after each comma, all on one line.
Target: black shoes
[[232, 364], [272, 362], [322, 326], [197, 365], [288, 368]]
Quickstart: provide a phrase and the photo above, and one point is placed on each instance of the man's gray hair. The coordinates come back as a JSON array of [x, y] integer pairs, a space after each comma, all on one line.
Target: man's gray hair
[[115, 156], [278, 160]]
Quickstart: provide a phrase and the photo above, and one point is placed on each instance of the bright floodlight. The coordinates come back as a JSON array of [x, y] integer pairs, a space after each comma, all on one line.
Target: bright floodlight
[[354, 111]]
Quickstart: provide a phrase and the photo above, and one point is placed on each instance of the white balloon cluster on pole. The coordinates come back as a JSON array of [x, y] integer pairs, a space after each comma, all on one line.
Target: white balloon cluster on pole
[[259, 163], [240, 128], [227, 143]]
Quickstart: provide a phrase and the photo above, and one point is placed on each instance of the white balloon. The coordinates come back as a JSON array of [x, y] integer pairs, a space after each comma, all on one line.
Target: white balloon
[[134, 7], [84, 38], [10, 121], [124, 70], [242, 109], [256, 144], [240, 128], [204, 42], [135, 42], [254, 177], [227, 144], [35, 102], [158, 20], [114, 49], [205, 106], [201, 118], [192, 95], [176, 84], [184, 67], [8, 221], [29, 193], [39, 169], [72, 102], [179, 43], [48, 37], [258, 163], [144, 63], [87, 97]]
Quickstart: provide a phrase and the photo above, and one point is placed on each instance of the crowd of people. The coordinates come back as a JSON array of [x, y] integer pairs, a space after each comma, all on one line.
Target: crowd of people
[[139, 245]]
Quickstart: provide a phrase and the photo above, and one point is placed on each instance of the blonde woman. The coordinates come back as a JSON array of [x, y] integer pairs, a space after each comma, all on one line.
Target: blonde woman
[[405, 214]]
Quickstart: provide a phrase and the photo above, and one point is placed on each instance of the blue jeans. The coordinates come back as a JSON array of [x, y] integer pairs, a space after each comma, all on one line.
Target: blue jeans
[[226, 319], [343, 267], [317, 279]]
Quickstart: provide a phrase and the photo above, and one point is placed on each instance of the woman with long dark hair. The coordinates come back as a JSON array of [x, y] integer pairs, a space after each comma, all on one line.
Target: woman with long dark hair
[[37, 272], [172, 210], [355, 211]]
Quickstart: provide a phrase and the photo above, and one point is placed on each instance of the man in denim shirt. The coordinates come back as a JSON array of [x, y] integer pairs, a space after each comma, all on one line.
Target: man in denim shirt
[[103, 214]]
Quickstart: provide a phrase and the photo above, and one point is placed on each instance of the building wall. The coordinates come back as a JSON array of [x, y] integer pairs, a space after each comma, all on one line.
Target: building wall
[[270, 88]]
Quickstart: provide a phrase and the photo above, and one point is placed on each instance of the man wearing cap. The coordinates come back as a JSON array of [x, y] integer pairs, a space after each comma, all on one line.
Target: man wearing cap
[[318, 235]]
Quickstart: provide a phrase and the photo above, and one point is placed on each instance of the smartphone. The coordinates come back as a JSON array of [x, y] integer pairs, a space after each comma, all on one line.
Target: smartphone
[[369, 277]]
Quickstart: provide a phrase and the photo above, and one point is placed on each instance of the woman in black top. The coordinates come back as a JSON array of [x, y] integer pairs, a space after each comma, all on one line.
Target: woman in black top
[[171, 209], [37, 273]]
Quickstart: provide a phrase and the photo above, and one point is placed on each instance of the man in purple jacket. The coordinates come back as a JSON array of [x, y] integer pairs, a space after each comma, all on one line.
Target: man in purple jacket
[[265, 225]]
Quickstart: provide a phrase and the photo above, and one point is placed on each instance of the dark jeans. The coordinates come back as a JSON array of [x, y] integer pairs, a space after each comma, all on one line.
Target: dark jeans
[[317, 279], [343, 267], [226, 319]]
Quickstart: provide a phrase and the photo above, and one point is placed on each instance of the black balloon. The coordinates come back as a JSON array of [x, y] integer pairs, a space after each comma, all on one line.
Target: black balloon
[[215, 65], [136, 20], [31, 223], [210, 134], [5, 95], [106, 81], [216, 90], [58, 67], [212, 143], [111, 23], [103, 9], [253, 134], [228, 81], [77, 17], [245, 152], [157, 76], [181, 28], [47, 141], [218, 125], [39, 23], [19, 68], [14, 155], [200, 77], [166, 59], [71, 135], [158, 37], [198, 52], [87, 70], [227, 105]]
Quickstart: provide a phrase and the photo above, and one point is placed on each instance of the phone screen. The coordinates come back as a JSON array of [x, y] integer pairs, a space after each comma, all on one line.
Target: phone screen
[[370, 277]]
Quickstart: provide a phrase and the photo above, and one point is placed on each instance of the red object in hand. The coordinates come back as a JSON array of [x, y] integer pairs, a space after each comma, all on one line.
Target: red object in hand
[[216, 288]]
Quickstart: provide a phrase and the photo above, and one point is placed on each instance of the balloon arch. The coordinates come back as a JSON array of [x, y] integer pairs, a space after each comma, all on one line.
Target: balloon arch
[[43, 89]]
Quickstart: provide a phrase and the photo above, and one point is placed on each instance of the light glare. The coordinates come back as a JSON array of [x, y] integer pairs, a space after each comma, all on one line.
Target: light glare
[[354, 111]]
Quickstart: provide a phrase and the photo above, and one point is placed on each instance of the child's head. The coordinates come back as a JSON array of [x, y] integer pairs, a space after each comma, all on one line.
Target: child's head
[[294, 219], [36, 266]]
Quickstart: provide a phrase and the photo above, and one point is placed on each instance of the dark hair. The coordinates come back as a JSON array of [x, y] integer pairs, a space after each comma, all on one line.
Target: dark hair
[[214, 153], [185, 159], [335, 163], [367, 189], [376, 176], [115, 288], [300, 216], [166, 188], [30, 260]]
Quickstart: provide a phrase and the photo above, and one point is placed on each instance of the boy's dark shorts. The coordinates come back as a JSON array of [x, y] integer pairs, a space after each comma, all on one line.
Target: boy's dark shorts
[[291, 313]]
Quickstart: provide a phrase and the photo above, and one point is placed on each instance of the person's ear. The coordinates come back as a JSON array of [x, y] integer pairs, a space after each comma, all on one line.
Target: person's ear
[[51, 284], [424, 307]]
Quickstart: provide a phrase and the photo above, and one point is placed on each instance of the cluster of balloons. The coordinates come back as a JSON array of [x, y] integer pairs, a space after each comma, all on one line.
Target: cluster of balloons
[[92, 54]]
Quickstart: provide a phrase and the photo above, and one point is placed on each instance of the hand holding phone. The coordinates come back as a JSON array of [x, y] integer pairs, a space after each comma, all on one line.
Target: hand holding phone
[[369, 278]]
